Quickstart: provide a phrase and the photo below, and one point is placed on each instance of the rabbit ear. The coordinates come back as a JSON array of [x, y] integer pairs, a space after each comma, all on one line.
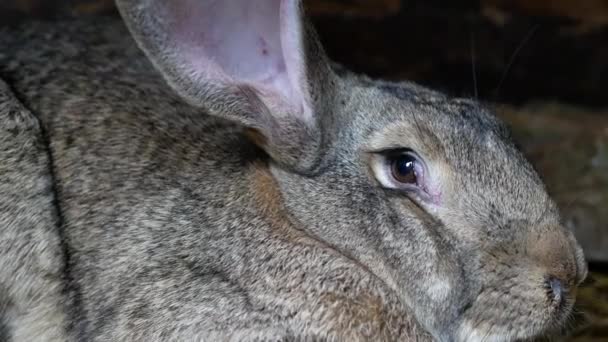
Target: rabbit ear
[[240, 59]]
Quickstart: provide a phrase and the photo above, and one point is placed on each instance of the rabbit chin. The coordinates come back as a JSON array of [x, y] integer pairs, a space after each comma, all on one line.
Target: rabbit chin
[[468, 330]]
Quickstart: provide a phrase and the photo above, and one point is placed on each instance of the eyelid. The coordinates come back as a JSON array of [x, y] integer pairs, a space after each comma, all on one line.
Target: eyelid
[[397, 150]]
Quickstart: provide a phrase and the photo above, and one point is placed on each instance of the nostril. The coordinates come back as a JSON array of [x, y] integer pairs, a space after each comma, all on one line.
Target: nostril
[[555, 290]]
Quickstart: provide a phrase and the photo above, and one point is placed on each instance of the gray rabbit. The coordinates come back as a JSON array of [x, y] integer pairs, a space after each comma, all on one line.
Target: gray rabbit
[[230, 183]]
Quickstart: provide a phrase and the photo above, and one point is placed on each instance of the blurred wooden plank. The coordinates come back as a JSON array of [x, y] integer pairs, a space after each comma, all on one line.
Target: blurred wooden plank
[[586, 10], [593, 11], [10, 9], [353, 8], [88, 7]]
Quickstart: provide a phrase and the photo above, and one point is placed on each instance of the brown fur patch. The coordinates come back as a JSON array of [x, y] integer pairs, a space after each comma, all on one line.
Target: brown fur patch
[[267, 198], [266, 192], [256, 137], [365, 316]]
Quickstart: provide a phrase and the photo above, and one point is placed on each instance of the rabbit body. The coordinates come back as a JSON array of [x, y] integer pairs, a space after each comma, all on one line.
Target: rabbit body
[[172, 224], [216, 178]]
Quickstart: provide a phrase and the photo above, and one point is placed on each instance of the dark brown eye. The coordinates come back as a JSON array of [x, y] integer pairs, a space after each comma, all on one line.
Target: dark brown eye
[[403, 169]]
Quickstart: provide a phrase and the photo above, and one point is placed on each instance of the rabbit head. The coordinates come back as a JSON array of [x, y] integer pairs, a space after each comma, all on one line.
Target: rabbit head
[[427, 192]]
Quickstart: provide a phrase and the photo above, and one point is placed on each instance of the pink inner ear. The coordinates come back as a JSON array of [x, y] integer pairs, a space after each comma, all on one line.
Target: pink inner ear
[[243, 42]]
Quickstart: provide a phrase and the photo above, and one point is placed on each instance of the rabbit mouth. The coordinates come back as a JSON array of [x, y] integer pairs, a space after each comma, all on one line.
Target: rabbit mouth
[[499, 315]]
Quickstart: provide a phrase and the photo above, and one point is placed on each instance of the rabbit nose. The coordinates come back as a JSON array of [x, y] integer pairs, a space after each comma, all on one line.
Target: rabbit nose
[[555, 290], [554, 253]]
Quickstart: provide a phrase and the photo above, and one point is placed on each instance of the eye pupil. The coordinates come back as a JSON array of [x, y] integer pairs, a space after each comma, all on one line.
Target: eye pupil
[[404, 169]]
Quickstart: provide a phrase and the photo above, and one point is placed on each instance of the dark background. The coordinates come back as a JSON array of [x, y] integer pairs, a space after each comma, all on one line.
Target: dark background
[[522, 50], [543, 64]]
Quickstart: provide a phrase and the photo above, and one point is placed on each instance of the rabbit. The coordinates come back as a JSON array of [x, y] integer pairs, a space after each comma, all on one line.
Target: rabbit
[[201, 171]]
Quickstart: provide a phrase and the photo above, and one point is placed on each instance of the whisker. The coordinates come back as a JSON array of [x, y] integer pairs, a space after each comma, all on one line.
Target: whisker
[[512, 58], [473, 65]]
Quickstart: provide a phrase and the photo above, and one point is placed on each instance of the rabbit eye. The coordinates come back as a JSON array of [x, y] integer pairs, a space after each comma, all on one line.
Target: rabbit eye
[[403, 169], [399, 169]]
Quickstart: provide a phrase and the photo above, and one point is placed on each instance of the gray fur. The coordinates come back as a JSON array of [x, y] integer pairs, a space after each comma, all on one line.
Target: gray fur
[[31, 261], [176, 226]]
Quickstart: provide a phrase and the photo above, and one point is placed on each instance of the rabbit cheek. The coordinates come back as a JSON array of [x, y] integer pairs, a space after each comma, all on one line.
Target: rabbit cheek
[[517, 300], [511, 312], [499, 315]]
